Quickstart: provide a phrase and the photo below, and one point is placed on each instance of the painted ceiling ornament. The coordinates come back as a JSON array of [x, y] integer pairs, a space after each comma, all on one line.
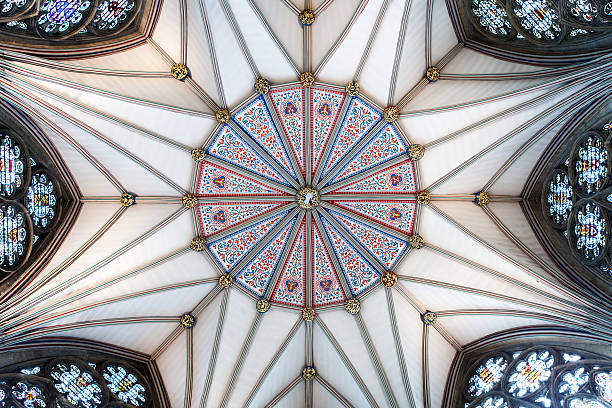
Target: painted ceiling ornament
[[391, 114], [279, 219], [389, 279], [223, 116], [262, 86], [308, 314], [482, 198], [307, 17], [424, 197], [352, 88], [198, 244], [352, 305], [225, 280], [416, 151], [432, 74], [307, 79], [188, 320], [308, 198], [198, 154], [127, 199], [429, 317], [262, 305], [179, 71], [309, 373], [189, 200], [416, 241]]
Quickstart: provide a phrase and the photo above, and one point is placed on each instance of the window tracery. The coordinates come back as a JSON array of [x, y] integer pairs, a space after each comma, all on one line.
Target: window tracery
[[71, 382], [28, 201], [38, 199], [540, 376], [577, 198], [537, 28]]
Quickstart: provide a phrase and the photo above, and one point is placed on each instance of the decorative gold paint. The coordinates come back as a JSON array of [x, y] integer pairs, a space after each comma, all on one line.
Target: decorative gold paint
[[198, 154], [482, 198], [423, 197], [432, 74], [352, 306], [389, 279], [308, 198], [352, 88], [308, 314], [307, 17], [179, 71], [225, 280], [309, 373], [416, 151], [189, 200], [391, 114], [307, 79], [198, 244], [262, 305], [223, 116], [262, 86], [416, 241], [127, 199], [187, 321]]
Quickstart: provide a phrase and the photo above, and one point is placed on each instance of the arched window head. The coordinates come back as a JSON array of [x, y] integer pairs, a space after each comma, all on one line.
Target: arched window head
[[66, 376], [536, 372], [37, 200], [538, 30], [73, 27], [569, 199]]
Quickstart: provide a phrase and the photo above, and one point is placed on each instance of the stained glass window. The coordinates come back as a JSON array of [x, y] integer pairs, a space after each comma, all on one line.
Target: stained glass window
[[125, 384], [67, 383], [583, 9], [41, 200], [538, 18], [112, 14], [487, 375], [559, 198], [591, 164], [539, 377], [58, 16], [11, 166], [78, 386], [14, 235], [491, 17], [591, 231]]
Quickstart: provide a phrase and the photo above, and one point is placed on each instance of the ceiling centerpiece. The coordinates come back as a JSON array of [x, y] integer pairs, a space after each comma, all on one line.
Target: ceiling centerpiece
[[307, 195]]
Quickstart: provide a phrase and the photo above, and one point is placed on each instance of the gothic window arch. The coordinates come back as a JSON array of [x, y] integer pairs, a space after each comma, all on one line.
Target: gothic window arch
[[38, 200], [539, 31], [70, 374], [69, 28], [525, 369], [568, 198]]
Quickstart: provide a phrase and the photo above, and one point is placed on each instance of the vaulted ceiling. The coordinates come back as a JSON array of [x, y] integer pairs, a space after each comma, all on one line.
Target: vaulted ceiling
[[126, 275]]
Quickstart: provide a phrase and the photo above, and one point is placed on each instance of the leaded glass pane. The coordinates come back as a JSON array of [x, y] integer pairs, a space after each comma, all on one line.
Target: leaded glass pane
[[538, 18], [492, 17], [112, 14], [76, 385], [530, 372], [585, 10], [559, 198], [487, 375], [41, 200], [591, 164], [590, 231], [60, 16], [584, 402], [11, 166], [125, 384], [491, 402], [573, 380], [603, 385], [13, 235], [29, 395]]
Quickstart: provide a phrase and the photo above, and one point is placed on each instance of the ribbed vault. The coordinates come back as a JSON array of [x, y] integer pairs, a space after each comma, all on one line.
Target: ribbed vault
[[126, 275]]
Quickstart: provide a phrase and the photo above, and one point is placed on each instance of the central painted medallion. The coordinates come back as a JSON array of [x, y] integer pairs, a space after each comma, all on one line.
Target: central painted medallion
[[307, 193]]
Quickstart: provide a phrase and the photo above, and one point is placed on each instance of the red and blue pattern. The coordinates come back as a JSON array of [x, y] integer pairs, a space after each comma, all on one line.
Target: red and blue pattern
[[359, 119], [289, 289], [387, 144], [247, 196], [256, 121], [385, 247], [220, 216], [396, 179], [360, 275], [256, 275], [230, 250], [288, 104], [218, 181], [230, 147], [324, 109], [327, 289], [398, 215]]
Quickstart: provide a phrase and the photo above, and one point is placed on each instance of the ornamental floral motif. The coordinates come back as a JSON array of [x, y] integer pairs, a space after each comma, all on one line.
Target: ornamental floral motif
[[266, 153], [591, 231], [487, 375], [560, 198], [591, 164], [30, 396], [530, 372]]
